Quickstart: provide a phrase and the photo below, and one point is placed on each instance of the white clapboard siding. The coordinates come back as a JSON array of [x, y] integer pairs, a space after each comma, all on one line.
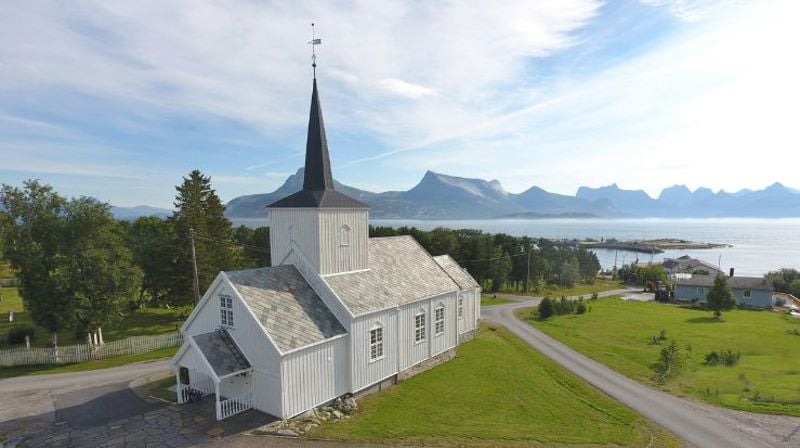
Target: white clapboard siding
[[336, 257], [449, 338], [268, 393], [303, 225], [68, 354], [411, 351], [365, 371], [314, 375]]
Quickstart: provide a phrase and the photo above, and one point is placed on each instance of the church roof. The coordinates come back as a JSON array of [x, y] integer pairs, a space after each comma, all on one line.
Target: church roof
[[221, 352], [291, 312], [400, 272], [456, 272], [318, 190]]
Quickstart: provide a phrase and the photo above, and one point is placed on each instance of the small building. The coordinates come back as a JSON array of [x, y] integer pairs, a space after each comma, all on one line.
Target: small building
[[751, 292], [338, 313], [681, 266]]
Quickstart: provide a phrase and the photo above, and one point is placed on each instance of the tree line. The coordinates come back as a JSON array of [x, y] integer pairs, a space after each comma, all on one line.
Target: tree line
[[80, 268]]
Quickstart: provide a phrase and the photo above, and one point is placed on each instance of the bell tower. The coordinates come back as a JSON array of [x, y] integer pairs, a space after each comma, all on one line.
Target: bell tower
[[329, 228]]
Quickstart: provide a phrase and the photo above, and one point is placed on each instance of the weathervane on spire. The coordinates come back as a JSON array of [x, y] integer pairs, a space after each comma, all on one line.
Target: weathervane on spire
[[314, 42]]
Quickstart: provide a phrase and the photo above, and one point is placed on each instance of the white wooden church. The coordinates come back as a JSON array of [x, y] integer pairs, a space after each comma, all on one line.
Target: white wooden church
[[338, 313]]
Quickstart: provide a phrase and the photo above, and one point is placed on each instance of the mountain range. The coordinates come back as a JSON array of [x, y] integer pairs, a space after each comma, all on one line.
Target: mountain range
[[449, 197]]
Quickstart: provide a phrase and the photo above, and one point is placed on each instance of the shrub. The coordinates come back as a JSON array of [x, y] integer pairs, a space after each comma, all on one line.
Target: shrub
[[17, 334], [546, 308], [594, 296], [794, 331], [581, 308], [670, 361], [727, 358], [659, 338]]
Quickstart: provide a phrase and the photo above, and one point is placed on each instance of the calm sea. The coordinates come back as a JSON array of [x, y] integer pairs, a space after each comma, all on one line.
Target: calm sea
[[759, 245]]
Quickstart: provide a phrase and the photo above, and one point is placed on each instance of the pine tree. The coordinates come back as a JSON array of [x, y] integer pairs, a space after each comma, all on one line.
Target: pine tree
[[199, 209], [546, 308], [720, 298]]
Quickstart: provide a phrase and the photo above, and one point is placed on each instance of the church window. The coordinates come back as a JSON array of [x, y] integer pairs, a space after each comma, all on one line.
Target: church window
[[226, 310], [419, 327], [376, 343], [344, 235], [439, 320]]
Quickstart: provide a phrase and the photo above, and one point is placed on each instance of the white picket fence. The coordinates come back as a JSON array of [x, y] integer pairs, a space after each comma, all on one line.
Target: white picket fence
[[235, 405], [67, 354]]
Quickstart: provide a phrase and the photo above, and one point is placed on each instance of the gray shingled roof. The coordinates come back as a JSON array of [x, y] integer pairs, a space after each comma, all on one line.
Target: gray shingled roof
[[733, 282], [292, 313], [456, 272], [221, 352], [400, 272]]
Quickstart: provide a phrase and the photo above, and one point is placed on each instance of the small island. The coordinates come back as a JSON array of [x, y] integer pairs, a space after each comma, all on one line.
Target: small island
[[654, 246]]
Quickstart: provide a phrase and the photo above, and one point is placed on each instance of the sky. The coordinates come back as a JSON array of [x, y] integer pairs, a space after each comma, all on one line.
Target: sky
[[118, 100]]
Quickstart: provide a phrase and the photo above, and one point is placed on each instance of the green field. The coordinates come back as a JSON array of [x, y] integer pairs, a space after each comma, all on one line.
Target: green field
[[617, 333], [139, 322], [488, 300], [498, 391]]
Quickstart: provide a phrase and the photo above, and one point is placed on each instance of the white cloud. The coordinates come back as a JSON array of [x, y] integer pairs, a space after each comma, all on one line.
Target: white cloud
[[405, 89]]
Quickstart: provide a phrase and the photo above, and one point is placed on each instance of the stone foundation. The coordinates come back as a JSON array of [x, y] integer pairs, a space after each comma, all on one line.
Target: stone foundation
[[427, 364], [466, 337], [377, 387]]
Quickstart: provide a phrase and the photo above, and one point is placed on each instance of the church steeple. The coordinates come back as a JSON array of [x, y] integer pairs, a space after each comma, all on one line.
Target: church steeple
[[318, 164], [318, 190], [319, 227]]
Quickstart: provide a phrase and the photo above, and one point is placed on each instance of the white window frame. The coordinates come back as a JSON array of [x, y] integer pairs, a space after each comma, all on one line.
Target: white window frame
[[460, 307], [226, 310], [438, 316], [344, 235], [376, 351], [420, 329], [747, 293]]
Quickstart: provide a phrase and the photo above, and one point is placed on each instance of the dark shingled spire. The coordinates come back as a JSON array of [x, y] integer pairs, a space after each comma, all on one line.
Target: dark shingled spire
[[318, 164], [318, 188]]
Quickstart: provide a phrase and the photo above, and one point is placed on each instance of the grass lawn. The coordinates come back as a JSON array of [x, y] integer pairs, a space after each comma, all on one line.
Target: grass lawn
[[581, 289], [6, 271], [159, 389], [487, 299], [139, 322], [8, 372], [498, 391], [616, 333]]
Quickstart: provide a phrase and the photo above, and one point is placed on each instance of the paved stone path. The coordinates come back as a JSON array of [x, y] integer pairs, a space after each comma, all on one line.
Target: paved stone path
[[161, 425]]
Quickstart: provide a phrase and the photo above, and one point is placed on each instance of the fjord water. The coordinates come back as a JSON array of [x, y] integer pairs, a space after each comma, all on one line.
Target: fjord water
[[759, 245]]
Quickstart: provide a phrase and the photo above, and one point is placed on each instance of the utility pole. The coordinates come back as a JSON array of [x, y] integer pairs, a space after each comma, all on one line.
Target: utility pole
[[194, 266], [531, 247]]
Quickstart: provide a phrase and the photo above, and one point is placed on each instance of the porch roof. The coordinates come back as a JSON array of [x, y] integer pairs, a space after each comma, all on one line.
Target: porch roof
[[221, 352]]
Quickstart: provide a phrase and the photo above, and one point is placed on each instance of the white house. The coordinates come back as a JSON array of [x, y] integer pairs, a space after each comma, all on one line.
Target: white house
[[338, 312]]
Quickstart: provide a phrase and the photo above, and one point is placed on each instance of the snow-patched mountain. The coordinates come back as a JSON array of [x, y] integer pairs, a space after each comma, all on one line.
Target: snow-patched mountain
[[436, 196], [449, 197]]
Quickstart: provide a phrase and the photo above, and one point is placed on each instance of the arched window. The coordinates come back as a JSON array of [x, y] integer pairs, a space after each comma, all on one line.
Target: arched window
[[376, 342], [344, 235], [438, 320], [419, 327]]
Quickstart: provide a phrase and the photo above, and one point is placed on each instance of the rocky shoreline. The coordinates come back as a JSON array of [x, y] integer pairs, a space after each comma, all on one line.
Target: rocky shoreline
[[656, 246]]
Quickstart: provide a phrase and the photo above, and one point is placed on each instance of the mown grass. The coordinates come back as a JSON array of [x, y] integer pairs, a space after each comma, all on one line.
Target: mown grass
[[139, 322], [8, 372], [491, 299], [617, 333], [498, 391]]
